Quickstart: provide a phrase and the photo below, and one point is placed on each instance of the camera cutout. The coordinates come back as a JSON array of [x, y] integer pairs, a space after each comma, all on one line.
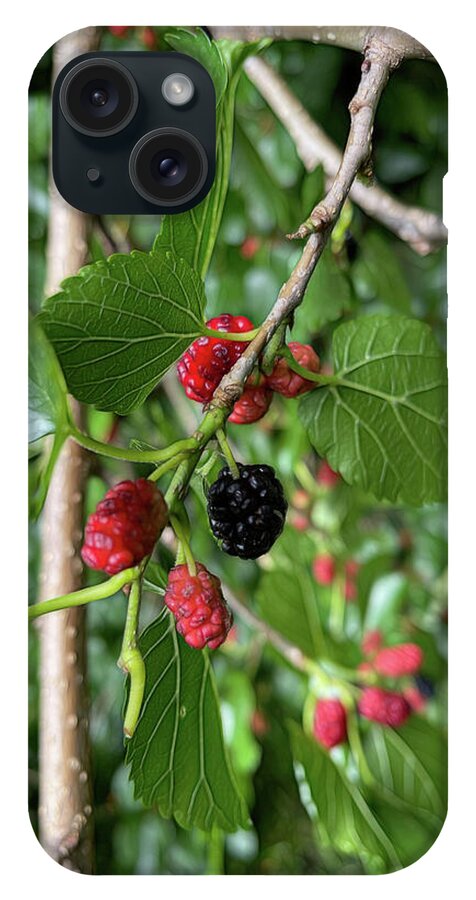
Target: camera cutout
[[134, 132]]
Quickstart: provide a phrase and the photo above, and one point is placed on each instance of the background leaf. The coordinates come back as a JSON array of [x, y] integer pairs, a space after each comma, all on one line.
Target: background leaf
[[410, 763], [47, 401], [344, 818], [120, 324], [328, 296], [383, 427], [177, 756], [47, 414]]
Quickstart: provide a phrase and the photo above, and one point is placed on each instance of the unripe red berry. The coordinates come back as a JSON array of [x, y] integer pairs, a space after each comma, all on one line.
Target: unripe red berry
[[365, 668], [148, 38], [350, 588], [300, 499], [207, 360], [330, 723], [403, 659], [288, 383], [326, 476], [259, 723], [202, 615], [119, 31], [253, 403], [385, 707], [371, 642], [125, 526], [323, 569], [250, 247], [299, 521]]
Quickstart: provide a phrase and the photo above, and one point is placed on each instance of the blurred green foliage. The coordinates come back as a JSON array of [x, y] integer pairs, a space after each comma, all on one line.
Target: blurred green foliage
[[402, 553]]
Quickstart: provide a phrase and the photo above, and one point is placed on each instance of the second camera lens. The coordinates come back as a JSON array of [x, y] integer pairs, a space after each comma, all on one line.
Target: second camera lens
[[168, 167]]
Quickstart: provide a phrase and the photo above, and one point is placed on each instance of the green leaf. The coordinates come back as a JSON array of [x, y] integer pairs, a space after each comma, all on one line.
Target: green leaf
[[48, 412], [328, 296], [378, 275], [410, 764], [344, 819], [47, 401], [120, 324], [386, 597], [196, 43], [192, 235], [288, 596], [382, 425], [177, 756]]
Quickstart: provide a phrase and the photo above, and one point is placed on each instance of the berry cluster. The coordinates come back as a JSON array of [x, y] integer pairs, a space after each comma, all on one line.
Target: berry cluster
[[397, 661], [247, 513], [202, 615], [124, 527], [387, 707], [208, 359]]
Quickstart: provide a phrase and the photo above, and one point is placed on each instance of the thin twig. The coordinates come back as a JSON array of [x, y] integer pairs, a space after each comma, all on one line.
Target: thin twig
[[420, 228], [351, 37], [376, 68], [293, 654]]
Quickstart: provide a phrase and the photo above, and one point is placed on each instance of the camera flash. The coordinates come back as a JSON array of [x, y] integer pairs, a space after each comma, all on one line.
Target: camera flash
[[177, 89]]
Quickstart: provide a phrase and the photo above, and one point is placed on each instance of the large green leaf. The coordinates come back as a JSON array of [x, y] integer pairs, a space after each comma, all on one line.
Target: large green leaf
[[192, 234], [344, 818], [382, 425], [177, 756], [410, 764], [120, 324]]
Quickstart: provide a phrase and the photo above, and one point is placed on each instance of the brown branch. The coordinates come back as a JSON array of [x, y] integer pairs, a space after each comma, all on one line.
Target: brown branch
[[376, 67], [352, 37], [423, 230], [65, 792]]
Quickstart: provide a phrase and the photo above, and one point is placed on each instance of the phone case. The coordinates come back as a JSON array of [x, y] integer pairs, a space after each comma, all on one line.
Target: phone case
[[238, 449]]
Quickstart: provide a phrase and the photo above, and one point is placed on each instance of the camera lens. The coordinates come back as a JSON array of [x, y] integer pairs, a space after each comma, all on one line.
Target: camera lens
[[98, 97], [168, 166]]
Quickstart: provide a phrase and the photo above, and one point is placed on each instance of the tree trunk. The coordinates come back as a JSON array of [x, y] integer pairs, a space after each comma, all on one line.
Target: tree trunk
[[65, 794]]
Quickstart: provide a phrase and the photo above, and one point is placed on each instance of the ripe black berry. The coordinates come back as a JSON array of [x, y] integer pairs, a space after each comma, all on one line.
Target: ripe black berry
[[247, 513]]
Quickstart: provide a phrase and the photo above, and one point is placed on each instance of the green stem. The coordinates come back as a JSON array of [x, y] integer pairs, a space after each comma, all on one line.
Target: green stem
[[355, 743], [182, 538], [86, 595], [273, 348], [138, 456], [244, 336], [306, 373], [226, 450], [337, 608], [216, 852], [166, 467], [131, 662]]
